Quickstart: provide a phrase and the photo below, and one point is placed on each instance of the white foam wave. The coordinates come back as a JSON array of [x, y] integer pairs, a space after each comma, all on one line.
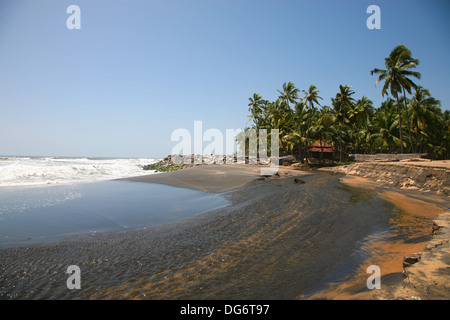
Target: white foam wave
[[21, 171]]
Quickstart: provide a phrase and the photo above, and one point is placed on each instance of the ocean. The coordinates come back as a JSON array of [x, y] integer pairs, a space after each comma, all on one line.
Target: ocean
[[44, 199], [27, 171]]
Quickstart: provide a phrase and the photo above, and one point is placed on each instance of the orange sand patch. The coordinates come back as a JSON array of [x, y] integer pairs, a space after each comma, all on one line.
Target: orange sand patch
[[385, 252], [412, 206], [387, 255], [359, 182]]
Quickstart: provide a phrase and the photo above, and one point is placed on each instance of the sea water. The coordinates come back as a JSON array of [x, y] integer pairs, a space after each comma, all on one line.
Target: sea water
[[25, 171], [48, 198], [36, 214]]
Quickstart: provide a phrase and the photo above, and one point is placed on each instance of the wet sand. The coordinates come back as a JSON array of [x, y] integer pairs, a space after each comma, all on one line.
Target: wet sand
[[214, 178], [413, 206], [41, 214], [359, 182], [413, 217], [278, 240]]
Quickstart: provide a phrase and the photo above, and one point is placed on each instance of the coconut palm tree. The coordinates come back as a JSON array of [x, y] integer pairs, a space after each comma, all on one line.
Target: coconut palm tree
[[386, 122], [299, 129], [280, 117], [359, 116], [445, 154], [396, 79], [425, 113], [407, 84], [322, 127], [289, 94], [256, 108], [310, 98], [362, 111], [342, 103]]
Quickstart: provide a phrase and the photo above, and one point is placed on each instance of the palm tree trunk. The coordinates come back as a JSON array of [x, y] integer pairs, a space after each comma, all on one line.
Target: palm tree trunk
[[321, 152], [340, 141], [306, 149], [407, 122], [417, 137], [300, 153], [307, 138], [400, 123]]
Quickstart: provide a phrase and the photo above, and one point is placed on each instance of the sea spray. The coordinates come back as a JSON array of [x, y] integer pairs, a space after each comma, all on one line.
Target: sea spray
[[22, 171]]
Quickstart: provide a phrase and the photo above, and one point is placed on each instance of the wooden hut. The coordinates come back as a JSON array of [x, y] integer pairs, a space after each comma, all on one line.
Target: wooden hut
[[319, 150]]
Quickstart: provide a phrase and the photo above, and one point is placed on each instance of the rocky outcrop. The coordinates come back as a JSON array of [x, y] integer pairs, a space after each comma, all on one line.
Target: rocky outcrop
[[166, 164], [388, 157], [426, 275], [175, 162], [402, 174]]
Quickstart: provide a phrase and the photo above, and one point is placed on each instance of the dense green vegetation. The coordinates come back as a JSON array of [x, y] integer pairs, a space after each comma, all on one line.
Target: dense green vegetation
[[410, 120], [161, 166]]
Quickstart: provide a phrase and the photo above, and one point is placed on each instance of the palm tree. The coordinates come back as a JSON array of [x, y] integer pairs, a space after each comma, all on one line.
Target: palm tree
[[386, 122], [395, 77], [311, 97], [359, 116], [407, 84], [255, 108], [289, 94], [342, 103], [323, 125], [425, 114], [446, 135], [298, 133], [280, 117], [362, 111]]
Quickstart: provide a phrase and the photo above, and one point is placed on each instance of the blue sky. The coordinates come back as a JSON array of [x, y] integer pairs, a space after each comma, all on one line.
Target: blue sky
[[138, 70]]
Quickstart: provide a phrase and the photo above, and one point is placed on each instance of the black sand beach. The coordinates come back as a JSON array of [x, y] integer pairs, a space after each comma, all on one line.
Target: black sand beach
[[214, 178], [278, 240]]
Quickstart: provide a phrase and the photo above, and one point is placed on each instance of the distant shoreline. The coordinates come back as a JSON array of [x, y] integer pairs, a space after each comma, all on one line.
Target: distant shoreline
[[215, 178]]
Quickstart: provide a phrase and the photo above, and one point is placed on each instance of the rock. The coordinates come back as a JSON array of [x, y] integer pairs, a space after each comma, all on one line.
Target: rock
[[408, 261], [296, 164], [426, 276], [402, 174], [409, 298], [387, 157], [300, 181], [435, 228], [165, 165], [411, 259], [287, 160]]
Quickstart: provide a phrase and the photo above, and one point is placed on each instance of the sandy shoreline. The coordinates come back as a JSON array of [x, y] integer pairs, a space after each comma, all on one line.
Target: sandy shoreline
[[420, 175], [276, 239], [215, 178], [428, 277]]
